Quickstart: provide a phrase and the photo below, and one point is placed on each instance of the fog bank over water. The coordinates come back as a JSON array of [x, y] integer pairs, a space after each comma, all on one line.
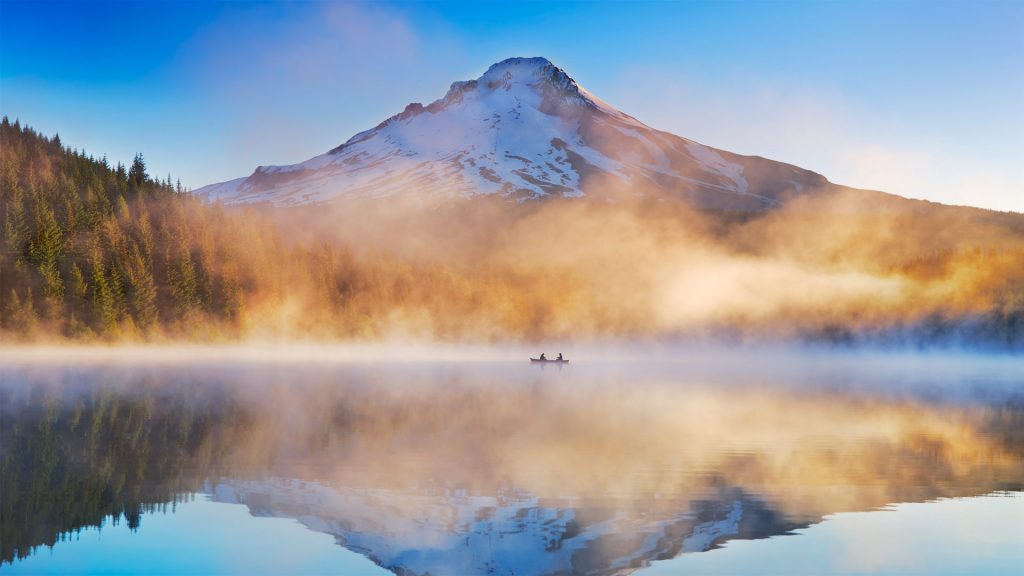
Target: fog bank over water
[[738, 359]]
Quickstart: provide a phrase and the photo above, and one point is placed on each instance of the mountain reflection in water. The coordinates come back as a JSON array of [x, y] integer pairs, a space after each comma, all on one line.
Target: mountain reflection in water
[[478, 467]]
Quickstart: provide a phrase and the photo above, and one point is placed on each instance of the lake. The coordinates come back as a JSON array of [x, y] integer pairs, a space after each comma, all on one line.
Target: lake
[[320, 461]]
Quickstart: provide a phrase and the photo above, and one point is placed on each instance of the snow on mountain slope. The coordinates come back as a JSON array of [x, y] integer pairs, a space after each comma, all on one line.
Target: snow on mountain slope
[[513, 532], [523, 130]]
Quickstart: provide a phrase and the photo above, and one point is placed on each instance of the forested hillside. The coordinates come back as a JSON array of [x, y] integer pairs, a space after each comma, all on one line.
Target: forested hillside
[[93, 251]]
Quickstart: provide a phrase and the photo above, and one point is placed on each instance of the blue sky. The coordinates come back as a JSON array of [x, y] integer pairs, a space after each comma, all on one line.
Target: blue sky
[[917, 98]]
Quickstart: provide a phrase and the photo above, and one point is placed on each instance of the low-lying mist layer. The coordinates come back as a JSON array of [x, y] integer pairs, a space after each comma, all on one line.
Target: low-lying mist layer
[[99, 253]]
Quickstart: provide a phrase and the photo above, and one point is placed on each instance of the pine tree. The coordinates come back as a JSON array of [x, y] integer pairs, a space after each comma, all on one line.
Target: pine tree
[[46, 249], [102, 298], [71, 212], [21, 315], [185, 284], [117, 296], [79, 289], [122, 209], [143, 290], [15, 226], [145, 231], [137, 173]]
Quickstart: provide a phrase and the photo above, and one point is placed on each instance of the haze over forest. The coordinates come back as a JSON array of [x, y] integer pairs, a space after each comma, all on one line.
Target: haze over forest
[[101, 253]]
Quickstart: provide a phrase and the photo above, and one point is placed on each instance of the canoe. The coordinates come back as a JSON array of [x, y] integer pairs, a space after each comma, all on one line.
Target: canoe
[[548, 361]]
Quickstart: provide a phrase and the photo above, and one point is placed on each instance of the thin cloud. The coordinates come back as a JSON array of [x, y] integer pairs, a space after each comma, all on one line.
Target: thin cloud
[[820, 130], [293, 82]]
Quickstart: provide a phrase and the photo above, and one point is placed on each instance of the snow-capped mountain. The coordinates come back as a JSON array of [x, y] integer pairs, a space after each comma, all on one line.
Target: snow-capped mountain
[[510, 533], [523, 130]]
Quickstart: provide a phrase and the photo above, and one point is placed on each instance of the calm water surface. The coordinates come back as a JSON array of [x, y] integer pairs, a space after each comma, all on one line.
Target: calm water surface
[[740, 464]]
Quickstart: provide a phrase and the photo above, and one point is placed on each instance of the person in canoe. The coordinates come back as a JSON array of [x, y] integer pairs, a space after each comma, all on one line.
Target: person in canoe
[[559, 356], [543, 357]]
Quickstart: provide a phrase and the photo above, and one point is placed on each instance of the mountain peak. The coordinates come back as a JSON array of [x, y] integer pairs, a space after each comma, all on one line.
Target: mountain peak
[[511, 79], [525, 71], [524, 129], [536, 62], [536, 74]]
